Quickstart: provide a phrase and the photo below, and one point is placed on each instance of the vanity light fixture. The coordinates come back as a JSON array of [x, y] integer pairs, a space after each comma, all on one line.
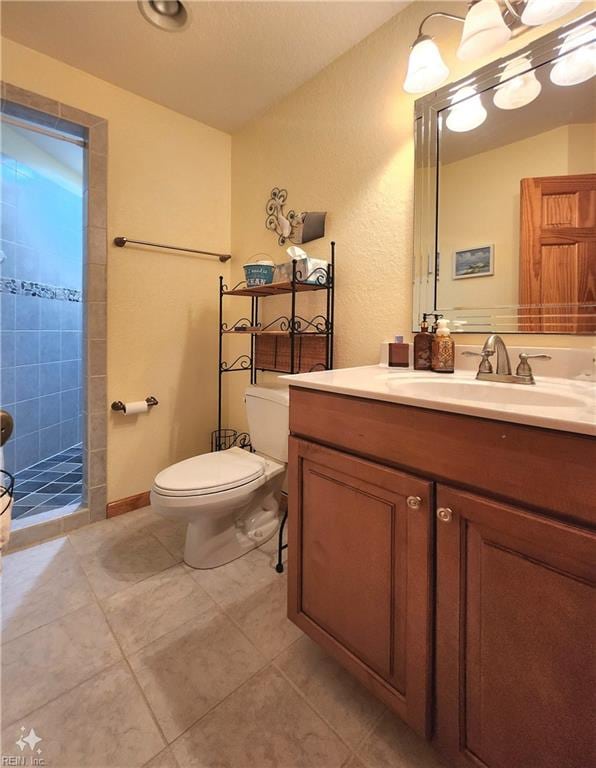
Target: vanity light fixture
[[484, 30], [488, 25], [467, 111], [426, 68], [520, 86], [539, 12], [577, 57]]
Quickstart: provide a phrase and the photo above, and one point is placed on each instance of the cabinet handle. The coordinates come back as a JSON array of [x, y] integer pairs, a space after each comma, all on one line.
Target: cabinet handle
[[444, 514], [414, 502]]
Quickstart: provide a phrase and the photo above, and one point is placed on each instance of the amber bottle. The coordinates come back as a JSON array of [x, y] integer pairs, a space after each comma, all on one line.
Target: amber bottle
[[423, 342]]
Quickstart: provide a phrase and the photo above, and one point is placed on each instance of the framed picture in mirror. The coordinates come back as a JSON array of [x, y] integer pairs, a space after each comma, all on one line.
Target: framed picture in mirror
[[473, 262]]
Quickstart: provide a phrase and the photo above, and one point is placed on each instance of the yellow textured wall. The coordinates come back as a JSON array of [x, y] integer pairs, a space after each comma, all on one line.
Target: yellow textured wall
[[343, 142], [168, 181]]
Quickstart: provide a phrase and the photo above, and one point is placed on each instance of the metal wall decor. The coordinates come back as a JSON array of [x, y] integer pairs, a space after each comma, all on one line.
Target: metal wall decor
[[296, 227]]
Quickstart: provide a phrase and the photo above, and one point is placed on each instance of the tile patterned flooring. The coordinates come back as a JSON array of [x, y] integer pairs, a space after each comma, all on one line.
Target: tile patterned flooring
[[120, 656], [50, 484]]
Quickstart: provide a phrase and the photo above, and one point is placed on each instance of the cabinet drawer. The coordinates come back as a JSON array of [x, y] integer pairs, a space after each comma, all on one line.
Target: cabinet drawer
[[548, 470]]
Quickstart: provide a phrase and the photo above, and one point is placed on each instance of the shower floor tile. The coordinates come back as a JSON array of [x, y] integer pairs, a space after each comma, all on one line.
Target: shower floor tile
[[50, 484]]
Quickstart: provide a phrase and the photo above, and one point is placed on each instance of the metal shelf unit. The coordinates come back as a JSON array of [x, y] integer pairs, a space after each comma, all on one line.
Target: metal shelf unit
[[292, 327]]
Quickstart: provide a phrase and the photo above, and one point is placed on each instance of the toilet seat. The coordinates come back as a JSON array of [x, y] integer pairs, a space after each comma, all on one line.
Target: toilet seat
[[210, 473]]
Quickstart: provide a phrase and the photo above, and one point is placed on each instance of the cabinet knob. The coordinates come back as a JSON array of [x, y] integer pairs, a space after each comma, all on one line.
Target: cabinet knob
[[444, 514], [414, 502]]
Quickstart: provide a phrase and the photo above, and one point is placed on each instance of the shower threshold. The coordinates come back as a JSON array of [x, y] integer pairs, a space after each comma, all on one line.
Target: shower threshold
[[51, 488]]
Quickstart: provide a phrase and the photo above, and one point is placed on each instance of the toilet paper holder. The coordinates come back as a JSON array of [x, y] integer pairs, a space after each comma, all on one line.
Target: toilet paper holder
[[118, 405]]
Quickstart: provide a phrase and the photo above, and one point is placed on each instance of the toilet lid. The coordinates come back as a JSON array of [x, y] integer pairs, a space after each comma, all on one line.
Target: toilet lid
[[211, 472]]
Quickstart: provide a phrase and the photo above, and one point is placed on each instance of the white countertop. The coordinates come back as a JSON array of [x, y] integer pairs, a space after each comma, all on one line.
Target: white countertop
[[573, 407]]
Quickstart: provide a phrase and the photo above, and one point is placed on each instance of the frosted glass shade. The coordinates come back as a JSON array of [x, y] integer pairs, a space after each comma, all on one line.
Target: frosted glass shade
[[484, 31], [577, 58], [542, 11], [517, 90], [467, 111], [426, 68]]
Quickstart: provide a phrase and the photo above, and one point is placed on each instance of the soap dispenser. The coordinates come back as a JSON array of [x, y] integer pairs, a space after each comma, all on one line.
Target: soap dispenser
[[443, 349], [423, 342]]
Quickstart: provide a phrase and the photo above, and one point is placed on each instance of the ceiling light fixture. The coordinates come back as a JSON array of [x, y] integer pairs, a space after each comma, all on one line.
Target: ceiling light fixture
[[577, 57], [520, 86], [170, 15], [539, 12], [467, 111]]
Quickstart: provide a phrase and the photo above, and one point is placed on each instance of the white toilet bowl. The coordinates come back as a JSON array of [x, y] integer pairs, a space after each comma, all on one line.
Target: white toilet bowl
[[230, 499]]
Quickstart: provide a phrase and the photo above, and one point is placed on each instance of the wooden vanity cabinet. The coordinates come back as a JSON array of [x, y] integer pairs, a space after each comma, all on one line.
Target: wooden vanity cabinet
[[359, 570], [449, 563], [515, 628]]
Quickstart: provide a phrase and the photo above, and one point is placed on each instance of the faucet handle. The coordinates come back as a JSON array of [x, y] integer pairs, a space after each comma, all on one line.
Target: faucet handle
[[523, 369], [485, 365]]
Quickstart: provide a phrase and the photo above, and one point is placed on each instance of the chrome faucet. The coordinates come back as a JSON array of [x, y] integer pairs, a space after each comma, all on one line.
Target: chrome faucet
[[495, 345]]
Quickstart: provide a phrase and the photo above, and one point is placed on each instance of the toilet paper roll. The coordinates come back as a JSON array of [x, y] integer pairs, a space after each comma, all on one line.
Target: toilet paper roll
[[136, 406]]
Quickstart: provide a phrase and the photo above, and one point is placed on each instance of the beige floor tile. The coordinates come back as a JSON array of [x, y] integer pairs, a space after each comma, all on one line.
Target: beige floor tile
[[124, 559], [165, 759], [340, 699], [95, 537], [263, 618], [41, 665], [39, 585], [189, 670], [392, 744], [265, 724], [34, 561], [104, 722], [152, 608], [232, 584], [171, 534]]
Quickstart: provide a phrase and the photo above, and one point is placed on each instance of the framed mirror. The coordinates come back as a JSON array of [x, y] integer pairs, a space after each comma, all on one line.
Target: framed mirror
[[505, 192]]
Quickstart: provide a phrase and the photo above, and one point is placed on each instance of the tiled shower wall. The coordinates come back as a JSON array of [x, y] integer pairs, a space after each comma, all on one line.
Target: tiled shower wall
[[41, 302]]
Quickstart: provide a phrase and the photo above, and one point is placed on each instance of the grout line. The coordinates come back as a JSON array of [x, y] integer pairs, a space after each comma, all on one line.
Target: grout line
[[312, 707], [260, 671], [131, 670], [63, 693]]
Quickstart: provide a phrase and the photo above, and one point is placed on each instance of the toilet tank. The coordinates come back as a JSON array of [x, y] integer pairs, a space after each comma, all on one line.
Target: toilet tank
[[267, 411]]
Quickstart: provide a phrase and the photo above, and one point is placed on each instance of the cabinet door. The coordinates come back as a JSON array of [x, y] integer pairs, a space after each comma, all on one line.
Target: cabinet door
[[515, 636], [359, 570]]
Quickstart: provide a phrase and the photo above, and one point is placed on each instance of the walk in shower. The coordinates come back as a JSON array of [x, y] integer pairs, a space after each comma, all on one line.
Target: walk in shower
[[41, 285]]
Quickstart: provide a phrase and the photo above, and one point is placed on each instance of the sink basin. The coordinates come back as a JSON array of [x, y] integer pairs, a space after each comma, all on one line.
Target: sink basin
[[485, 392]]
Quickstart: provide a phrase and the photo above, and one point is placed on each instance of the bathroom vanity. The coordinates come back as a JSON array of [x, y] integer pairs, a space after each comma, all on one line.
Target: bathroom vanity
[[442, 548]]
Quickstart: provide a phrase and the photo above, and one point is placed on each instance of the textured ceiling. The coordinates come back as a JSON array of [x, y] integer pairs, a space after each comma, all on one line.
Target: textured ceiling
[[233, 61]]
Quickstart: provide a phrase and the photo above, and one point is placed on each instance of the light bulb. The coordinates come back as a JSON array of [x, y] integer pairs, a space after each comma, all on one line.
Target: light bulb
[[467, 111], [484, 30], [426, 68], [542, 11], [577, 58], [520, 86]]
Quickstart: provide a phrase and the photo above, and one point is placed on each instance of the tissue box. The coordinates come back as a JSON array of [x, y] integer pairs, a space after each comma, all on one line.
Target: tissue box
[[308, 270]]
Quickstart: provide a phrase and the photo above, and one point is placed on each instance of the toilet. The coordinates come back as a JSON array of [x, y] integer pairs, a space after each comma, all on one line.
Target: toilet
[[230, 499]]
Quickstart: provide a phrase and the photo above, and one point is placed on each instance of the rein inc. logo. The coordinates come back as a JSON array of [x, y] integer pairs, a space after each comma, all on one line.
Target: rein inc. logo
[[28, 743]]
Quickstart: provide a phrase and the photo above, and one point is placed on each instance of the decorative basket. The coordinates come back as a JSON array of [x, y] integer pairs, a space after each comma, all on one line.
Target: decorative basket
[[260, 273]]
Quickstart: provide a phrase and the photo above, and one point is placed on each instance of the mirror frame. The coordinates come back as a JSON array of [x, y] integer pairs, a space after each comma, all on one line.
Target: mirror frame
[[426, 148]]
